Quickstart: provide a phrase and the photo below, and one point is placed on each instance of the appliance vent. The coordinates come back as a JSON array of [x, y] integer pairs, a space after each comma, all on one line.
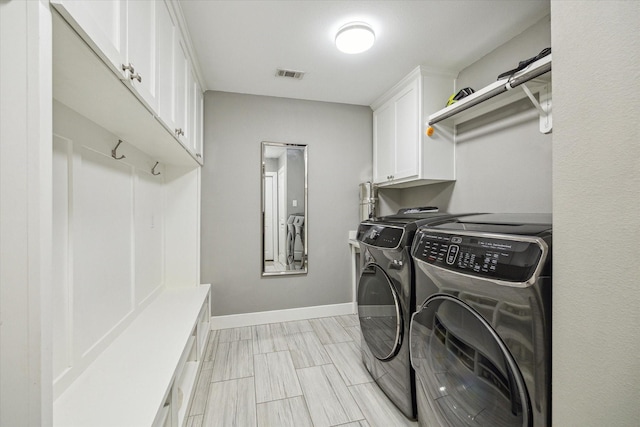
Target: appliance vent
[[289, 73]]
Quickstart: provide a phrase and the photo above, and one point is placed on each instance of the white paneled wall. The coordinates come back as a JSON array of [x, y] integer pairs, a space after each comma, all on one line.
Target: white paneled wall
[[108, 225], [182, 215], [61, 257], [102, 286], [149, 236]]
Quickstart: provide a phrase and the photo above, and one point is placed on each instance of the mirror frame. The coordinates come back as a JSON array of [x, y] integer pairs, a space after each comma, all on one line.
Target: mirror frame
[[305, 256]]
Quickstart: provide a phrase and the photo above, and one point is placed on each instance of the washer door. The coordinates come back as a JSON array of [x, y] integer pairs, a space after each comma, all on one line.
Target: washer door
[[380, 312], [466, 375]]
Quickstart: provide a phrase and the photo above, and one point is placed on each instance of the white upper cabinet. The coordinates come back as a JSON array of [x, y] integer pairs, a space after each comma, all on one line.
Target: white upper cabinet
[[402, 154], [198, 120], [166, 39], [123, 34], [384, 143], [102, 24], [407, 135], [194, 113], [179, 93], [181, 71], [142, 63], [141, 42]]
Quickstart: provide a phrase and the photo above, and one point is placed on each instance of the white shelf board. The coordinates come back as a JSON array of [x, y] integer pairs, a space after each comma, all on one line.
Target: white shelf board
[[127, 383], [187, 384], [202, 333], [164, 416], [507, 97], [84, 83]]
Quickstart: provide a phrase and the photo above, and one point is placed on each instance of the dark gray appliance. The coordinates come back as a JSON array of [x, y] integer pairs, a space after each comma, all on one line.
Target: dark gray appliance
[[386, 300], [481, 338]]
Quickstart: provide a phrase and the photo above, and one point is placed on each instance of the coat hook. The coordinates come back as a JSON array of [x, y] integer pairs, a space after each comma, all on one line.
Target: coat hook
[[153, 169], [113, 152]]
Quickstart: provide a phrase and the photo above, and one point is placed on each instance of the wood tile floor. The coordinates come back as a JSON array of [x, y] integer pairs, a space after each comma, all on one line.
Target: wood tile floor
[[302, 373]]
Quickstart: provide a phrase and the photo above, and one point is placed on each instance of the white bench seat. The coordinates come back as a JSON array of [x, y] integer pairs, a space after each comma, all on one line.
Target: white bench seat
[[128, 384]]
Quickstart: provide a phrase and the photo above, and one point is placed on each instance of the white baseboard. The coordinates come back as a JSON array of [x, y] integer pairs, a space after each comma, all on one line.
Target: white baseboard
[[275, 316]]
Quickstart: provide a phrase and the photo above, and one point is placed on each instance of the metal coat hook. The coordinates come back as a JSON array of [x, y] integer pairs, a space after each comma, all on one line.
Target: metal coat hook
[[153, 169], [113, 152]]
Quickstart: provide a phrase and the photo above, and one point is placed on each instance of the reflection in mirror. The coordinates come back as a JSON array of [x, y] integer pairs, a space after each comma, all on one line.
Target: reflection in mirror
[[284, 208]]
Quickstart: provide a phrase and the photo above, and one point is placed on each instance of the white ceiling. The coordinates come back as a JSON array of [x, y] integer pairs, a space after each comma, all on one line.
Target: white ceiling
[[240, 44]]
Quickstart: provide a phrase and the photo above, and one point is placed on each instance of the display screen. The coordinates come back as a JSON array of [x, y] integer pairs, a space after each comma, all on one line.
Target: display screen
[[502, 259], [380, 236]]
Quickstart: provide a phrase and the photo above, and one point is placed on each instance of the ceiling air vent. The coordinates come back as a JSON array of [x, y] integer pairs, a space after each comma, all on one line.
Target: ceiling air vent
[[289, 73]]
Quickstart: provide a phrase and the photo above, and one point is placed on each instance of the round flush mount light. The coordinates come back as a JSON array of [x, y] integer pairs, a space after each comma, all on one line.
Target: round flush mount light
[[355, 37]]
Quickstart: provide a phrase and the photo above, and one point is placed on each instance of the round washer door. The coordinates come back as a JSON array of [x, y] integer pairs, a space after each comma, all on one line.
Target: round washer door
[[380, 312], [466, 373]]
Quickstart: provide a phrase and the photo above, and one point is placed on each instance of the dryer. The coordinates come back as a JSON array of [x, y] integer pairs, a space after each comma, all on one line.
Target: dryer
[[386, 300], [481, 337]]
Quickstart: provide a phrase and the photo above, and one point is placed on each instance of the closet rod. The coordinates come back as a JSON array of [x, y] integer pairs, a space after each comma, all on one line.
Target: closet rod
[[471, 103], [516, 81]]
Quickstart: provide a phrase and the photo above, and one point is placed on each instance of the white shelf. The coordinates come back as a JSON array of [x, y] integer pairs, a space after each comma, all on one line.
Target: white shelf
[[203, 330], [164, 416], [83, 82], [186, 384], [536, 78], [128, 383]]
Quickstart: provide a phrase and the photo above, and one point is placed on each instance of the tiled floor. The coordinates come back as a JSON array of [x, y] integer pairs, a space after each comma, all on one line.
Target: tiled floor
[[302, 373]]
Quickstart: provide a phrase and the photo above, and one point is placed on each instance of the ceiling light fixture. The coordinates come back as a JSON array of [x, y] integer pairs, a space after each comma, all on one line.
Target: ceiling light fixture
[[355, 37]]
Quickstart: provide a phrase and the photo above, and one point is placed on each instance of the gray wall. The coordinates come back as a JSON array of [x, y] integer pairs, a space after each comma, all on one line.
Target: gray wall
[[596, 196], [339, 148], [503, 162]]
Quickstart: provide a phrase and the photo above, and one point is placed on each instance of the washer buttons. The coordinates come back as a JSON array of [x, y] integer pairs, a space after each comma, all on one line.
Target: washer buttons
[[452, 253]]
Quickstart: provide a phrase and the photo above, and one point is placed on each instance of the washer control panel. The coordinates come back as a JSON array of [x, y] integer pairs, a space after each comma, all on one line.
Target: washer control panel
[[502, 259], [380, 235]]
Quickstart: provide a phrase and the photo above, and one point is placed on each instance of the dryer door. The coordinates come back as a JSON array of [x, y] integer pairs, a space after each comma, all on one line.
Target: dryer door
[[465, 373], [380, 312]]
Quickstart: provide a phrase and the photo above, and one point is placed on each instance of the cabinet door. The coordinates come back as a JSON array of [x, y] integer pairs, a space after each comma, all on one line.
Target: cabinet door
[[181, 72], [194, 115], [166, 40], [383, 143], [199, 121], [190, 132], [101, 23], [407, 132], [141, 49]]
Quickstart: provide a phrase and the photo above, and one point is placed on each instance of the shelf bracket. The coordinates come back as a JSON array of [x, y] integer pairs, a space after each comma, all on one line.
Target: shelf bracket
[[543, 106]]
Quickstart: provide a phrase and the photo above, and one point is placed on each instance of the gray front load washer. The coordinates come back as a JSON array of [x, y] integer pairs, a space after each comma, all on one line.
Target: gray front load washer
[[386, 300], [481, 338]]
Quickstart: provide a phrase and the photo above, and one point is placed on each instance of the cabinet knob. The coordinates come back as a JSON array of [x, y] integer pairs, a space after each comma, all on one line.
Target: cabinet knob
[[128, 68], [136, 76], [179, 132]]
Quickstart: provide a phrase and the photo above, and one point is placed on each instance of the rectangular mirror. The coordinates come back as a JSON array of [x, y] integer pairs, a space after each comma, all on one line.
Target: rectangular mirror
[[284, 209]]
